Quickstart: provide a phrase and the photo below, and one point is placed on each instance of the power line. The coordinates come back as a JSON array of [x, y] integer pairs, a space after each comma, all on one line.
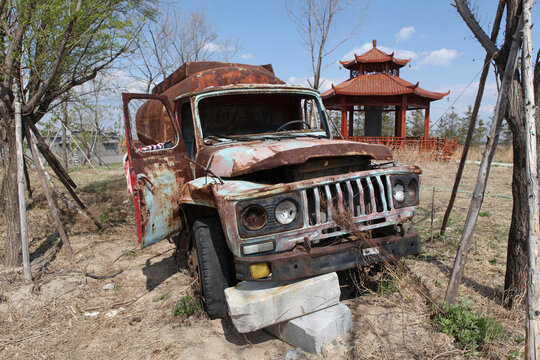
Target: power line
[[463, 91]]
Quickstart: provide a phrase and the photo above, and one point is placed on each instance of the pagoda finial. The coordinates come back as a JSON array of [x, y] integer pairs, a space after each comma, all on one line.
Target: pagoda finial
[[374, 43]]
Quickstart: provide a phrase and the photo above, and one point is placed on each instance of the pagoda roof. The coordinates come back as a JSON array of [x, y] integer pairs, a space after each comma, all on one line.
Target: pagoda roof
[[380, 85], [374, 56]]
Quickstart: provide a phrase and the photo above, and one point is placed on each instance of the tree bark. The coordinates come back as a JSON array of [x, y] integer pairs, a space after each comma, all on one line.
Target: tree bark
[[532, 346], [13, 255], [20, 188]]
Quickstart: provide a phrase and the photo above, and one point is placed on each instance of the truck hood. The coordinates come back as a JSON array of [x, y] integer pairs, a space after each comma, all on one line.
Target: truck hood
[[237, 159]]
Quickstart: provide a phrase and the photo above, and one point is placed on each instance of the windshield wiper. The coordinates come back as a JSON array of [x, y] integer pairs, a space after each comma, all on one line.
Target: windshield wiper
[[220, 137]]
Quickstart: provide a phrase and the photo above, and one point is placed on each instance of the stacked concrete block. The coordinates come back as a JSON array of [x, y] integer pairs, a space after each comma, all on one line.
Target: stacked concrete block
[[311, 332], [256, 305]]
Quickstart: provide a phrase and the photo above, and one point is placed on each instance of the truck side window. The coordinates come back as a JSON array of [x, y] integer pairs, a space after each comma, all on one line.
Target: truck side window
[[188, 134], [152, 129]]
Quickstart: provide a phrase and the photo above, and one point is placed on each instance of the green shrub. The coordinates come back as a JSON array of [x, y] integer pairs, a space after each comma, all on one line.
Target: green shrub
[[386, 285], [158, 298], [468, 328], [189, 305]]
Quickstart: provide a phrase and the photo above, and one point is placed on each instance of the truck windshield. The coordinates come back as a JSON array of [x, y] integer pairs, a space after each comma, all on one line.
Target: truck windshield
[[243, 115]]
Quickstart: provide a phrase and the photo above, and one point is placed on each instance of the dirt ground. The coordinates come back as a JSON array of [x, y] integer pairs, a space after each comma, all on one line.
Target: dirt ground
[[65, 314]]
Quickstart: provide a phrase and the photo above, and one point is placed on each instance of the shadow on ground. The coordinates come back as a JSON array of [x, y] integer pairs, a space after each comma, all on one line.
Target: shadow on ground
[[484, 290], [158, 272], [234, 337]]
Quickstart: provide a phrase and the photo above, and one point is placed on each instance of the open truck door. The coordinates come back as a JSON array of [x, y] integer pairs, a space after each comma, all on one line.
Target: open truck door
[[156, 162]]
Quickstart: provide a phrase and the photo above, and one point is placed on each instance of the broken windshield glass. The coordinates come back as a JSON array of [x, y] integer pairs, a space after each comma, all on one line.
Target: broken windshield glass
[[276, 115]]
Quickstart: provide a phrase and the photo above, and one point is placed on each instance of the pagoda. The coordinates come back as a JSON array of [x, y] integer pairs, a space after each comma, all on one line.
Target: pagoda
[[374, 87]]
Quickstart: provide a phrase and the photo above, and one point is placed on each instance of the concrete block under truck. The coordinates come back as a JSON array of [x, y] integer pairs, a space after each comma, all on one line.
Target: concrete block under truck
[[242, 171]]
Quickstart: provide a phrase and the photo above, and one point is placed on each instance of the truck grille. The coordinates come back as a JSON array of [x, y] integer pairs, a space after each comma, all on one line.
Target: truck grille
[[357, 197]]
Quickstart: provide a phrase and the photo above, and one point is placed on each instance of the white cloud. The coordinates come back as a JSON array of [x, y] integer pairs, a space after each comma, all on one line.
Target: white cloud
[[247, 56], [212, 47], [405, 33], [399, 53], [441, 57]]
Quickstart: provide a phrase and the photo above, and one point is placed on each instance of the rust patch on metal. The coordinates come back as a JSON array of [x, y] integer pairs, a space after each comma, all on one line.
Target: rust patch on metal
[[239, 159]]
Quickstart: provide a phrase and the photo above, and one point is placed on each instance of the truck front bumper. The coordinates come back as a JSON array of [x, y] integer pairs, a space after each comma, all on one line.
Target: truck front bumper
[[297, 263]]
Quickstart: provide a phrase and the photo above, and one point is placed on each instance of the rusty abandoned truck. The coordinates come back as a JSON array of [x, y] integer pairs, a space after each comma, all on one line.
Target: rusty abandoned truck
[[242, 172]]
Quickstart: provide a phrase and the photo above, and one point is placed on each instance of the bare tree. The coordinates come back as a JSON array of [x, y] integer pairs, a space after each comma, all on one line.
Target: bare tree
[[172, 40], [47, 49], [517, 260], [316, 21]]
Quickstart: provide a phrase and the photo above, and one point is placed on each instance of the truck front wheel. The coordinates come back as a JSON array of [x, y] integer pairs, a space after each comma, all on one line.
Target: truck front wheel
[[211, 261]]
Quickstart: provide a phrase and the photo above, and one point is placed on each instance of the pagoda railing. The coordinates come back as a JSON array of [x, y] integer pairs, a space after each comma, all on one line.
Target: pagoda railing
[[444, 147]]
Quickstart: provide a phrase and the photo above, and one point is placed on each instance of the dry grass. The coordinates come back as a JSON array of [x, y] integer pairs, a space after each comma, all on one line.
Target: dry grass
[[391, 319], [503, 154]]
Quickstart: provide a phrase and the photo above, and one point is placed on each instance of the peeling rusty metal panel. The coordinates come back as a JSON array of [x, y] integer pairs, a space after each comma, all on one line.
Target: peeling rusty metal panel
[[192, 68], [160, 175], [241, 158]]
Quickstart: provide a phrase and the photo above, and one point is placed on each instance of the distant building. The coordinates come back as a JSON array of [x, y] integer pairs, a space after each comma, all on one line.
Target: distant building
[[109, 151]]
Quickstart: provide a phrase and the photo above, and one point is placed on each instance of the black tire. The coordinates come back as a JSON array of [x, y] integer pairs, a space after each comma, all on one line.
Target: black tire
[[215, 265]]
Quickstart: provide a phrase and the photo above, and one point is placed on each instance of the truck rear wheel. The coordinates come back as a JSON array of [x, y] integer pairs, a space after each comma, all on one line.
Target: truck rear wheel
[[211, 265]]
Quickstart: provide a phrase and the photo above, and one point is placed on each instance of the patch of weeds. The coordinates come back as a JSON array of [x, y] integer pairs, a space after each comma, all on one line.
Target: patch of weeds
[[493, 261], [469, 329], [158, 298], [117, 287], [189, 305], [484, 214], [437, 283], [386, 285], [128, 253], [516, 354], [104, 216]]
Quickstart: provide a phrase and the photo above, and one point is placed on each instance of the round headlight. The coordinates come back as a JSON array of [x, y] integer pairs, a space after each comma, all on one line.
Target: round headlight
[[254, 217], [411, 191], [285, 212], [399, 193]]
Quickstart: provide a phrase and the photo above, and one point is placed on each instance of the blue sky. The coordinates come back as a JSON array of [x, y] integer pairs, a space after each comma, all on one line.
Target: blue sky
[[444, 54]]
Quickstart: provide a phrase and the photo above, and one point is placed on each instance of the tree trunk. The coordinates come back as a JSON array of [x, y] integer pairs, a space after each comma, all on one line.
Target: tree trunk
[[13, 255], [98, 147], [64, 134]]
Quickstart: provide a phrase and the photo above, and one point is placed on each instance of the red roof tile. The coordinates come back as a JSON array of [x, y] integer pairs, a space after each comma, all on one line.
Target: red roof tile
[[374, 56], [380, 85]]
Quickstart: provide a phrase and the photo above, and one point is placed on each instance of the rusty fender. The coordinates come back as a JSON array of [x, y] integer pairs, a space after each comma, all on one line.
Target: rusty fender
[[199, 192]]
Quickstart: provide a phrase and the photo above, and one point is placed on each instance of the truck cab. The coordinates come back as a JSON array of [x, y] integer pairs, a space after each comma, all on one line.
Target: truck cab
[[244, 173]]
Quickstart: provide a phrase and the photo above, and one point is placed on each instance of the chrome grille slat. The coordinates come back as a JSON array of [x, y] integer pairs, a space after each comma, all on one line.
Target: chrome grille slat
[[341, 208], [351, 202], [382, 193], [306, 206], [361, 196], [317, 205], [328, 202], [371, 195], [389, 195]]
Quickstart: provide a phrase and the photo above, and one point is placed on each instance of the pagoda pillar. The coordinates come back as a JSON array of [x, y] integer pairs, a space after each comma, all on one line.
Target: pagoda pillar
[[426, 123], [343, 118], [403, 116], [397, 120], [351, 121]]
